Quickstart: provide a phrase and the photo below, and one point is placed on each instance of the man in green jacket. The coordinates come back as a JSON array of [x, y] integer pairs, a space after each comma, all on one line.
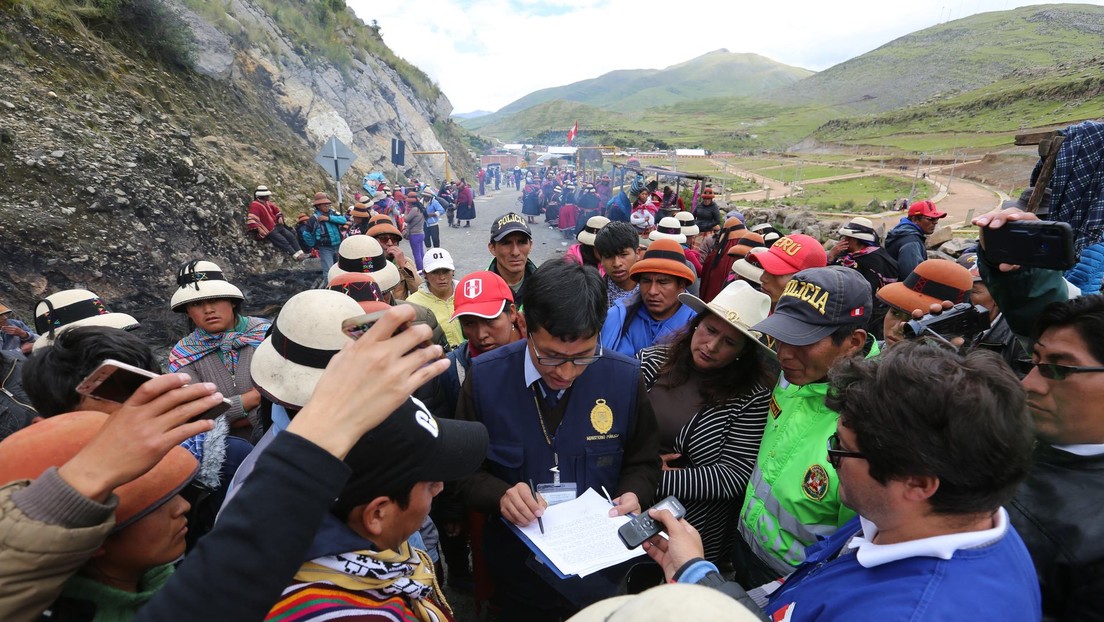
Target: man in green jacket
[[793, 494]]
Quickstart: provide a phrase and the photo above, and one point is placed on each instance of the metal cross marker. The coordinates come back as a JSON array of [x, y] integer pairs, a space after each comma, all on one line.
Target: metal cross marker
[[335, 158]]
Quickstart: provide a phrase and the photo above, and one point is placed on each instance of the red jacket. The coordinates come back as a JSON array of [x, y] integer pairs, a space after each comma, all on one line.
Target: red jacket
[[263, 218]]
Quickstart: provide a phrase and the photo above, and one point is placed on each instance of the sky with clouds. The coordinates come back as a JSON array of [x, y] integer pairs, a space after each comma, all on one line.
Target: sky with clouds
[[486, 53]]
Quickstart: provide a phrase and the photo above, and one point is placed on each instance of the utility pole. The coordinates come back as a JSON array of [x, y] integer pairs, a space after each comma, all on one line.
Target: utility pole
[[954, 161]]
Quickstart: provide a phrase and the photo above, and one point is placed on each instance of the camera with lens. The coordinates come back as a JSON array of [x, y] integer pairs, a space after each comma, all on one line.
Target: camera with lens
[[962, 320]]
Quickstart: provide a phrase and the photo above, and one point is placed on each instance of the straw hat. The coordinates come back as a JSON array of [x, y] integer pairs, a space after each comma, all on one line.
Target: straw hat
[[382, 226], [362, 253], [861, 229], [262, 191], [664, 256], [748, 270], [594, 224], [67, 309], [739, 305], [686, 219], [305, 336], [201, 280], [361, 210], [668, 229], [672, 601], [321, 198], [52, 442]]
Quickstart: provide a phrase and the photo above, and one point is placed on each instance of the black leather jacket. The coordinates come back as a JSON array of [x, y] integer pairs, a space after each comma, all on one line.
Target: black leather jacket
[[1057, 511]]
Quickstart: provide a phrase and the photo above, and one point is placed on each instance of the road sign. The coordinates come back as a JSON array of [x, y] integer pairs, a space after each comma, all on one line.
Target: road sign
[[398, 152], [335, 158]]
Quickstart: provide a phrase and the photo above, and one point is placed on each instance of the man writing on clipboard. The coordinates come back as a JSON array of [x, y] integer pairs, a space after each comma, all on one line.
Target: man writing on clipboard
[[566, 415]]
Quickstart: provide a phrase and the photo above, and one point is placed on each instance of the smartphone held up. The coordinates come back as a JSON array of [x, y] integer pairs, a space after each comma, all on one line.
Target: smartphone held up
[[115, 381]]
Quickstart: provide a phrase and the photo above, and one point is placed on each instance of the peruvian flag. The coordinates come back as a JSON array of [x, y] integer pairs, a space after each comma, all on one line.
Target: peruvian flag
[[572, 133]]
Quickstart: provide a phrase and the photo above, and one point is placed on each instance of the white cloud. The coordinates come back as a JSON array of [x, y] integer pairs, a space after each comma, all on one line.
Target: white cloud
[[486, 53]]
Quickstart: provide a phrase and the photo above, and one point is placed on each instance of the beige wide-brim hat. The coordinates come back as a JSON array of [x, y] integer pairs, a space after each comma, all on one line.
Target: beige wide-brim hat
[[305, 336], [689, 227], [859, 228], [594, 224], [748, 270], [362, 253], [738, 304], [668, 229], [72, 308], [201, 280], [672, 601]]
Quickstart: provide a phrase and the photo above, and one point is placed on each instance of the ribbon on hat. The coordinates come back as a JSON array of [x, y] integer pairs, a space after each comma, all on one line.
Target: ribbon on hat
[[298, 353], [362, 264], [362, 291], [670, 230], [750, 243], [188, 275], [662, 254], [859, 228], [56, 317], [935, 289]]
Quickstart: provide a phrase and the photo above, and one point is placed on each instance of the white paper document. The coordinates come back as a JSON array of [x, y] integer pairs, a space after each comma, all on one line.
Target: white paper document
[[580, 537]]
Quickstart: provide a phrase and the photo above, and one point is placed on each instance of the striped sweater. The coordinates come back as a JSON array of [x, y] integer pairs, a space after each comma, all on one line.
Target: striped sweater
[[722, 442], [322, 601]]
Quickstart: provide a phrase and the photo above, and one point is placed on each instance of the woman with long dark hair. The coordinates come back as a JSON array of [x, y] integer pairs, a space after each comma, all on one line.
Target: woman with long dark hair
[[710, 388]]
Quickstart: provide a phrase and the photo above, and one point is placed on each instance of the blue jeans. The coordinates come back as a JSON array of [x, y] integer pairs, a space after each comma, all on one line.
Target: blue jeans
[[328, 254]]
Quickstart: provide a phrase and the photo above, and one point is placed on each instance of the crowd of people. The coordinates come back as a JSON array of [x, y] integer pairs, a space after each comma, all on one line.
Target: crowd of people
[[374, 441]]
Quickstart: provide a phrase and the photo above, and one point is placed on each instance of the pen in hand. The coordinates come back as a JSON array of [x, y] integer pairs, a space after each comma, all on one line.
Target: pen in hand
[[533, 489]]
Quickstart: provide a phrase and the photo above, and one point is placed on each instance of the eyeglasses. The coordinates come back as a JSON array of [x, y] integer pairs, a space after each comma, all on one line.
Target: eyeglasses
[[836, 455], [1052, 371], [556, 361]]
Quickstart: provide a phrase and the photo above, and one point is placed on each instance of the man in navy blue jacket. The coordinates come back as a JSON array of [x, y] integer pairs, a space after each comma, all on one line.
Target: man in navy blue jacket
[[556, 400], [928, 472]]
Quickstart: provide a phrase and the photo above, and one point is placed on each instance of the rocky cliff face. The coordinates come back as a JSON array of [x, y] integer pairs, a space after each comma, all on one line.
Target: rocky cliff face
[[115, 168]]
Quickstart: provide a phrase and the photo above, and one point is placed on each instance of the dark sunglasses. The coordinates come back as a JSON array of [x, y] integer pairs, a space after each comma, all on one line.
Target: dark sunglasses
[[836, 455], [1051, 371]]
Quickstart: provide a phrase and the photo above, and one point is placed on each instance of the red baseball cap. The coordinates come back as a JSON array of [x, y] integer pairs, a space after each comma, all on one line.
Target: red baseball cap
[[482, 294], [925, 208], [791, 254]]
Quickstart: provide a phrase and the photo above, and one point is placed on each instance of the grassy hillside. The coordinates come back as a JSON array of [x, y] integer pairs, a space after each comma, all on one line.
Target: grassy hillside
[[717, 74], [957, 56], [985, 117]]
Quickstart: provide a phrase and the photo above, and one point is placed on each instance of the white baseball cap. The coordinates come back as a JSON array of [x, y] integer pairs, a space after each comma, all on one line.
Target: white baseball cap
[[437, 259]]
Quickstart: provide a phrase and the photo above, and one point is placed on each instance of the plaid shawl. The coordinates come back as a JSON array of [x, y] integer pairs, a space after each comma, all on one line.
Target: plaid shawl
[[200, 343], [1077, 184]]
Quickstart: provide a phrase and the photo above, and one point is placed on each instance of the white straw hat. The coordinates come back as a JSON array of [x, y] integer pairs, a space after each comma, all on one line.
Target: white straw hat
[[686, 219], [668, 229], [748, 270], [201, 280], [594, 224], [861, 229], [362, 253], [738, 304], [67, 309], [262, 191], [305, 336], [671, 601]]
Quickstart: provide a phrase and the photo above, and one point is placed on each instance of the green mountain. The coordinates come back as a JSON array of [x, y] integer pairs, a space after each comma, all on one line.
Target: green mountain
[[972, 82], [717, 74], [954, 57]]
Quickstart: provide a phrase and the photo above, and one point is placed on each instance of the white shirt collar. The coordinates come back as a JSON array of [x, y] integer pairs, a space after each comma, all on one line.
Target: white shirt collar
[[1082, 450], [870, 555]]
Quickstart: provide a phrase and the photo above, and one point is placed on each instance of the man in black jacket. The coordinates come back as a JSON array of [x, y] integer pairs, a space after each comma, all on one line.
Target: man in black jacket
[[1056, 509]]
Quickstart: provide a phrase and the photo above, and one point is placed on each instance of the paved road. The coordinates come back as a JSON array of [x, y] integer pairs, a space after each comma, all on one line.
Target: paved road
[[468, 246]]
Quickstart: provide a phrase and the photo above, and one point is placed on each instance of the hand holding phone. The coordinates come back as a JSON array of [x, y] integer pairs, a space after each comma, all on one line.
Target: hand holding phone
[[1035, 243], [356, 326], [116, 381], [643, 526]]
